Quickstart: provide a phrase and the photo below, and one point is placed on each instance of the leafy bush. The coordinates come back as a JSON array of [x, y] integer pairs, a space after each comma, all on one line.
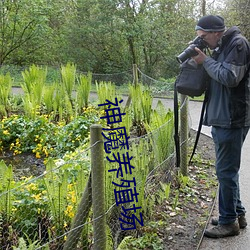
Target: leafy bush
[[41, 136]]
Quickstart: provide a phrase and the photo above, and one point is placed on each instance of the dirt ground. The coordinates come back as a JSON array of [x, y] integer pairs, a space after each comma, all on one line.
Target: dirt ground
[[187, 222]]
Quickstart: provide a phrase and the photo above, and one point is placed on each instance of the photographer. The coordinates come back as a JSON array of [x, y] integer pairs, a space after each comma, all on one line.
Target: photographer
[[228, 112]]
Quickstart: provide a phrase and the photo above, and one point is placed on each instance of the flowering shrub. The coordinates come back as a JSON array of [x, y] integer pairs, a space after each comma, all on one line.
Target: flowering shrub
[[48, 204], [43, 137]]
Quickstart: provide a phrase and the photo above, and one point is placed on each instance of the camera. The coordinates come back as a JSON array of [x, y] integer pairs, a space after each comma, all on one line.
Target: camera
[[190, 51]]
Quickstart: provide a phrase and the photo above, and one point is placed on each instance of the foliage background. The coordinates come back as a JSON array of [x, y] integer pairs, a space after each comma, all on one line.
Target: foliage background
[[106, 36]]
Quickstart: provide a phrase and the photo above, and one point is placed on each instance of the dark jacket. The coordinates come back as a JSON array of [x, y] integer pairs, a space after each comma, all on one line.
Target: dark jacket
[[229, 90]]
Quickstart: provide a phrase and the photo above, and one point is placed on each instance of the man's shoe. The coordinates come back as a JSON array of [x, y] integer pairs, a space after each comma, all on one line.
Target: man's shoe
[[241, 219], [221, 231]]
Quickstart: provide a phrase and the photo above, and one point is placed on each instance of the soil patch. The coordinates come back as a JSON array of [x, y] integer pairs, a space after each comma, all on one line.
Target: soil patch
[[188, 208], [25, 164]]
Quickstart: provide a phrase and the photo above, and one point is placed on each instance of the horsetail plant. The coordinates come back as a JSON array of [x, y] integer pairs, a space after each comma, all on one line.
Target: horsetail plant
[[141, 106], [68, 74], [33, 85], [5, 89], [83, 91], [48, 98], [6, 184], [105, 91], [56, 184], [161, 126]]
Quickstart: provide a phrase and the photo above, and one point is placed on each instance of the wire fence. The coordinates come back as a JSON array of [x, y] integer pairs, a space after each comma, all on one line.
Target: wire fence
[[158, 87], [57, 209]]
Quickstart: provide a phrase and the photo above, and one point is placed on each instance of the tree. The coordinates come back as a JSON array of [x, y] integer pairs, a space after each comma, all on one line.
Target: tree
[[237, 13], [20, 22]]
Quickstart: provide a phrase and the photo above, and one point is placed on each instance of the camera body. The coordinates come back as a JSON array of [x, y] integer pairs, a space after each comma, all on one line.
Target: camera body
[[190, 51]]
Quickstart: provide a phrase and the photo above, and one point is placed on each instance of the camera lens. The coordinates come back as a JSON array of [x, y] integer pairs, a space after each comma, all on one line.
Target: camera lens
[[190, 51], [187, 53]]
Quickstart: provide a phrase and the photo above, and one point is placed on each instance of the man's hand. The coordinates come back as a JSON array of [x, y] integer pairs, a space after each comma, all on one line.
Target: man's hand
[[200, 58]]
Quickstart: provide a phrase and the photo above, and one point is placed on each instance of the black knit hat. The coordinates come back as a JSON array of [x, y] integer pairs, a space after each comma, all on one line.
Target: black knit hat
[[211, 23]]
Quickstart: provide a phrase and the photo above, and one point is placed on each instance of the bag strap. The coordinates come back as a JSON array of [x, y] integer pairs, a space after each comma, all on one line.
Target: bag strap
[[176, 126], [199, 127]]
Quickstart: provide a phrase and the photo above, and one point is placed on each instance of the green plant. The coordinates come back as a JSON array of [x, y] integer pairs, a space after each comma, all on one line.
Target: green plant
[[161, 127], [147, 241], [48, 98], [140, 161], [30, 208], [141, 104], [176, 199], [68, 74], [166, 188], [28, 244], [184, 181], [23, 246], [56, 184], [105, 91], [6, 196], [5, 90], [83, 91], [34, 81], [42, 136], [64, 183]]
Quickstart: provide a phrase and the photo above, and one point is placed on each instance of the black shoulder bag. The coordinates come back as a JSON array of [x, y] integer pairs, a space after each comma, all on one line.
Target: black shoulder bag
[[191, 81]]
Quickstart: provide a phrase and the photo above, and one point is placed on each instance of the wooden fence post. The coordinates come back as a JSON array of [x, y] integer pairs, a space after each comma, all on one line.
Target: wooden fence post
[[135, 74], [135, 82], [98, 187]]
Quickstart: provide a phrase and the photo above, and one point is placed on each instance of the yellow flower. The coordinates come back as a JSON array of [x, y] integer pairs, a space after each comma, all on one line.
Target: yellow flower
[[45, 151], [31, 187], [37, 196], [38, 156], [6, 132], [69, 211], [14, 209], [73, 199], [17, 152]]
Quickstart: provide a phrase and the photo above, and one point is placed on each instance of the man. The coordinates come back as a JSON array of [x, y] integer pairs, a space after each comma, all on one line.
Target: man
[[228, 112]]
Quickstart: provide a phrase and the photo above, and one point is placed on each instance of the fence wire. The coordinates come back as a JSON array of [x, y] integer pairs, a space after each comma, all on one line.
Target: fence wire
[[45, 210]]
